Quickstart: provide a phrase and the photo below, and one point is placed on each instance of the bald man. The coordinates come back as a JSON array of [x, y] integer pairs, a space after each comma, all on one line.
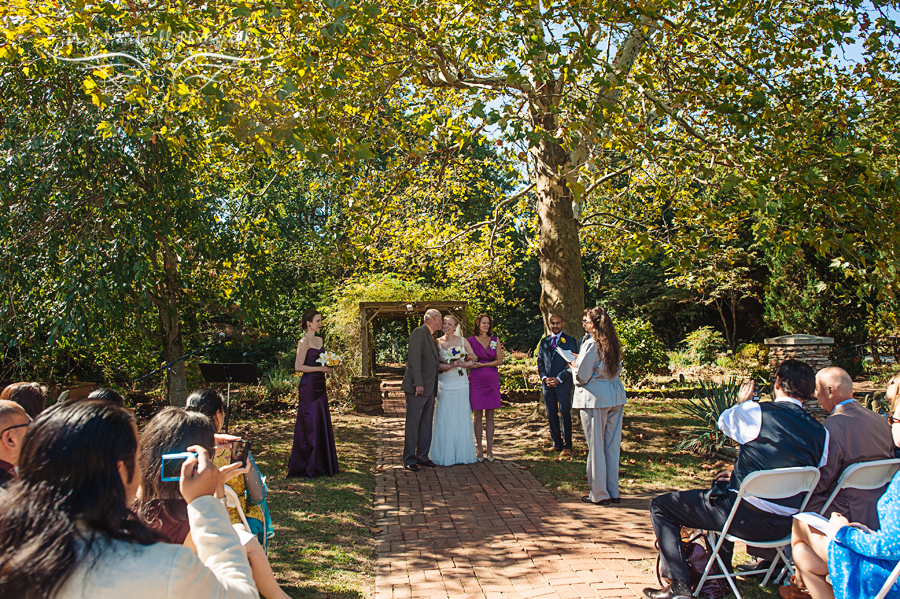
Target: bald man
[[420, 386], [856, 435], [13, 422]]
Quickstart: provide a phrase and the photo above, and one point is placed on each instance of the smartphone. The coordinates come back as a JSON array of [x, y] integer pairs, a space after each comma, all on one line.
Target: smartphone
[[172, 463], [240, 449], [63, 396], [755, 391]]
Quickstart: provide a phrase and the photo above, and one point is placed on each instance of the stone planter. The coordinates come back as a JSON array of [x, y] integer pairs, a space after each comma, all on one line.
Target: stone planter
[[365, 393]]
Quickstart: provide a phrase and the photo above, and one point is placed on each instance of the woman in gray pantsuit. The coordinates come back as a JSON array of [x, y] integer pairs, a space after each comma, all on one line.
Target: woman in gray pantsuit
[[600, 396]]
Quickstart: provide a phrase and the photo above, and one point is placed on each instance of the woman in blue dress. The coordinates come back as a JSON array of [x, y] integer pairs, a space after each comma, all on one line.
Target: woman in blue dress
[[858, 560]]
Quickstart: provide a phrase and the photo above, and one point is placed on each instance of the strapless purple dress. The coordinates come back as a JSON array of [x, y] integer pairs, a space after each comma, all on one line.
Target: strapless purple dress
[[484, 383], [313, 453]]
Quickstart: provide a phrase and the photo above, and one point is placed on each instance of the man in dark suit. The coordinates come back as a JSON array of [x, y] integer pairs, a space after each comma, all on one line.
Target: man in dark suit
[[420, 386], [556, 384]]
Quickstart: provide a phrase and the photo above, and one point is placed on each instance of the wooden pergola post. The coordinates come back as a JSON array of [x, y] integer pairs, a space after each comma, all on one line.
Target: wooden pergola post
[[369, 311]]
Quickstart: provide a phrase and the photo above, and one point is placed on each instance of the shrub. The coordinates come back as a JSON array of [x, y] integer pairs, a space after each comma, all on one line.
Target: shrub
[[752, 353], [678, 359], [703, 344], [642, 352], [714, 399]]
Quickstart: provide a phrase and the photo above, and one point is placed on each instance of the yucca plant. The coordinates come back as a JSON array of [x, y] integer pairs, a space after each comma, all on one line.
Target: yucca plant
[[714, 399]]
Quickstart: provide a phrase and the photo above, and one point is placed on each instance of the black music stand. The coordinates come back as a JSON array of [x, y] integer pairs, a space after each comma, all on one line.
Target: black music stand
[[229, 373]]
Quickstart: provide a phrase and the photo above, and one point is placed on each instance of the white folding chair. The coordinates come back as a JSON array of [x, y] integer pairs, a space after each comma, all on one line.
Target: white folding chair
[[889, 582], [864, 475], [231, 500], [764, 484]]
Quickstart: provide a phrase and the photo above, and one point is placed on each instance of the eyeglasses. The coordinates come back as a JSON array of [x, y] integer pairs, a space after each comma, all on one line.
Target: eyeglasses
[[9, 428], [891, 419]]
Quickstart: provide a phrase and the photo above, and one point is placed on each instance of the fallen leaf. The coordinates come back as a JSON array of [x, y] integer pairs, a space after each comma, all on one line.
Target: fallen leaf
[[375, 531], [379, 468]]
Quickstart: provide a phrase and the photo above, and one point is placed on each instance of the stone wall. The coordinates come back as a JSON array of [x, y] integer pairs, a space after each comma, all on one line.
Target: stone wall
[[810, 349]]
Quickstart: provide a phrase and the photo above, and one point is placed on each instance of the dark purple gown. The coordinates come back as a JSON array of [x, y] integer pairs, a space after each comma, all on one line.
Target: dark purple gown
[[313, 453]]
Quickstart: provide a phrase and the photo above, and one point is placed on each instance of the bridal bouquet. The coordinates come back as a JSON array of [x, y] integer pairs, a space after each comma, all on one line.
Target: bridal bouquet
[[328, 358], [452, 355]]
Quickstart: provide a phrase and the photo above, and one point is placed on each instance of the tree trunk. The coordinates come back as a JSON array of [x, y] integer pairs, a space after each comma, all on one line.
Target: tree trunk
[[173, 348], [559, 251]]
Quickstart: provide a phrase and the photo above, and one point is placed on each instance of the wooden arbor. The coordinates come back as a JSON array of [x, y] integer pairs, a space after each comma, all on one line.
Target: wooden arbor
[[369, 311]]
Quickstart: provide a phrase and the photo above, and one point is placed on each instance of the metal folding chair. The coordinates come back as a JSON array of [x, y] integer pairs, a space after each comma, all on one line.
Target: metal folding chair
[[864, 475], [764, 484], [889, 582]]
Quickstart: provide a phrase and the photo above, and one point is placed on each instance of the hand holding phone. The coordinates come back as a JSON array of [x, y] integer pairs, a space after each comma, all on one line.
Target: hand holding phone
[[240, 450]]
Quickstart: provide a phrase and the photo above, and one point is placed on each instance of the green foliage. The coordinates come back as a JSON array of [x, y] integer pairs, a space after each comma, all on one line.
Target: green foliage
[[341, 318], [642, 352], [703, 344], [805, 296], [752, 353], [714, 399]]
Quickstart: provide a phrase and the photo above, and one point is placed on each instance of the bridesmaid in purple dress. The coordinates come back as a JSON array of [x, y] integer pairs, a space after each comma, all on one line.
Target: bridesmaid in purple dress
[[313, 453], [484, 381]]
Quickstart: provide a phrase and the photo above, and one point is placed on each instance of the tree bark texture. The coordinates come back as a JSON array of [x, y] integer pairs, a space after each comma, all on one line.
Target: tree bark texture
[[173, 348], [559, 251]]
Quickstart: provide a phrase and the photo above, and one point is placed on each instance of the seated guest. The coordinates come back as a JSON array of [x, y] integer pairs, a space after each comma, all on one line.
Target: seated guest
[[250, 487], [777, 434], [13, 424], [858, 560], [161, 506], [855, 435], [66, 530], [31, 396], [106, 394]]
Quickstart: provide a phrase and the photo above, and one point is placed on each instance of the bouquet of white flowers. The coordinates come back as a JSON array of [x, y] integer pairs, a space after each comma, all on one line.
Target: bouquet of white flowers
[[452, 355], [330, 359]]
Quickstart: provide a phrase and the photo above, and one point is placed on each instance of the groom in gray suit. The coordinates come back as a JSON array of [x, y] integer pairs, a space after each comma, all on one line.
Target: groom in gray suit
[[420, 386]]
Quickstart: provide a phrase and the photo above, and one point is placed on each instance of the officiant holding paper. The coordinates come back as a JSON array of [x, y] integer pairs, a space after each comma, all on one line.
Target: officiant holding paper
[[556, 384]]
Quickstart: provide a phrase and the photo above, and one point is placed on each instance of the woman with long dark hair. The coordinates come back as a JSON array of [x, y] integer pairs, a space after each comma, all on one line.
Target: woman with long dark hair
[[600, 396], [161, 506], [66, 528], [313, 452]]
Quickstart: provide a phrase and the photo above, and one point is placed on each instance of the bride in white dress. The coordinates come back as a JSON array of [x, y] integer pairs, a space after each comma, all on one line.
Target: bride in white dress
[[453, 435]]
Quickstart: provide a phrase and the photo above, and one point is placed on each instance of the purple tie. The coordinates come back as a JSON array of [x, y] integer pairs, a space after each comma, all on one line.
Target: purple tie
[[553, 342]]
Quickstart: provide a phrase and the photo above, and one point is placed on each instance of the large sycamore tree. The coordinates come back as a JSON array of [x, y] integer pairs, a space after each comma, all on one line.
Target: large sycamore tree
[[640, 124]]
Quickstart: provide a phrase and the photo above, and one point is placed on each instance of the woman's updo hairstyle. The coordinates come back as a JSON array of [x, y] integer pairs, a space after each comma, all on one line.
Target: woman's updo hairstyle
[[604, 334], [207, 401], [308, 318]]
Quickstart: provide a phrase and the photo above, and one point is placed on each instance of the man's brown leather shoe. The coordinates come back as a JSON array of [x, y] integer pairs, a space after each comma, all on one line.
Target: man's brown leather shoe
[[565, 452], [552, 448]]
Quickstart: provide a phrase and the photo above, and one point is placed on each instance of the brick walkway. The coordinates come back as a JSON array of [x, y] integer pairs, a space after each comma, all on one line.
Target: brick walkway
[[492, 531]]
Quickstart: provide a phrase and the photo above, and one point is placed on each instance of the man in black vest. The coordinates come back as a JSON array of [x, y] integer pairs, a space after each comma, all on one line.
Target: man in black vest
[[556, 384], [778, 434]]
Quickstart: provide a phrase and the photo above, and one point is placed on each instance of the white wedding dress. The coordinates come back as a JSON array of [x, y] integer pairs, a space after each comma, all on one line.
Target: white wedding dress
[[453, 434]]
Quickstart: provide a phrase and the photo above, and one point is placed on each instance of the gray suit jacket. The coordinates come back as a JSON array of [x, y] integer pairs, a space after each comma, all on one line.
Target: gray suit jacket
[[856, 435], [422, 362]]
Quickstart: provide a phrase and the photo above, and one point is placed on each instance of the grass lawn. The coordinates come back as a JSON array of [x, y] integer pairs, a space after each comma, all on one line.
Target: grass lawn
[[650, 463], [323, 544]]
